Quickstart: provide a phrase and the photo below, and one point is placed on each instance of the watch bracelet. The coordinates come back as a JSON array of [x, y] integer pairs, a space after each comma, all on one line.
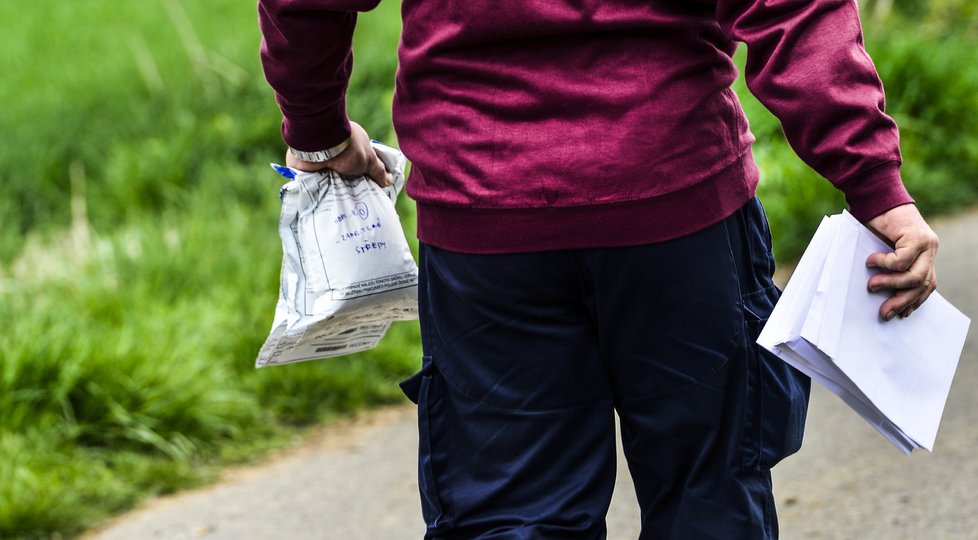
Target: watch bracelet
[[321, 155]]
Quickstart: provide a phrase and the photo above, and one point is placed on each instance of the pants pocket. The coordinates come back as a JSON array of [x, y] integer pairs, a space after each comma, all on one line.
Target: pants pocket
[[426, 389], [776, 393]]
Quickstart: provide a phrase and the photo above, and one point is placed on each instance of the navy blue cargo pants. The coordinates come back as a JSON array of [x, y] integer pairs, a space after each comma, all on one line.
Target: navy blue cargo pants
[[527, 357]]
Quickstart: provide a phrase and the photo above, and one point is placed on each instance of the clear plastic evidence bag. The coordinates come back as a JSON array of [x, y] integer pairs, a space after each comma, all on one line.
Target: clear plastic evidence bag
[[347, 271]]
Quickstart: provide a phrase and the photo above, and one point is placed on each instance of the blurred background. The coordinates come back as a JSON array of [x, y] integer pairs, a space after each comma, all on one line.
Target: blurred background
[[139, 256]]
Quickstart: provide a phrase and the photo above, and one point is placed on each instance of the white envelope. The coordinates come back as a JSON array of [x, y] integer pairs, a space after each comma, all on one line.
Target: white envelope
[[895, 374]]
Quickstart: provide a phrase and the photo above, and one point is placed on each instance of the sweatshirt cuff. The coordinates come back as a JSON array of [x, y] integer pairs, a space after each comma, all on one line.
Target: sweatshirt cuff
[[316, 133], [875, 191]]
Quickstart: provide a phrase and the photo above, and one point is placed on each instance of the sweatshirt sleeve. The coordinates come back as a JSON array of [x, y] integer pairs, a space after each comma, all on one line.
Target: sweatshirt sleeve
[[806, 63], [307, 56]]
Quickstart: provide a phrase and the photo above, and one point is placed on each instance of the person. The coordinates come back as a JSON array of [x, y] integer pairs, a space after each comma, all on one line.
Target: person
[[591, 242]]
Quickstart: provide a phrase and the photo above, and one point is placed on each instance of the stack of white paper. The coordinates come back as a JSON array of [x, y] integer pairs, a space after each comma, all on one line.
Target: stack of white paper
[[895, 374]]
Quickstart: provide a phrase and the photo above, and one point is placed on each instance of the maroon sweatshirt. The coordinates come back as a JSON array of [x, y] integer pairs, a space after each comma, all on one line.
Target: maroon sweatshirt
[[536, 125]]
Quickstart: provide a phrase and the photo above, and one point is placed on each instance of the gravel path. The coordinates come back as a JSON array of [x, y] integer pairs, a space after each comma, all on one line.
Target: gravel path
[[356, 479]]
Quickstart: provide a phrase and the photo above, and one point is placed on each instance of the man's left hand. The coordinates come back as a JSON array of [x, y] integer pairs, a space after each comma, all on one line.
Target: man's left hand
[[908, 270], [358, 159]]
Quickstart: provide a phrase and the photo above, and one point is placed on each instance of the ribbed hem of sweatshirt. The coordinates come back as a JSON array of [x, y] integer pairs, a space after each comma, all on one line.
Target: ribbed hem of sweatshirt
[[875, 191], [662, 218]]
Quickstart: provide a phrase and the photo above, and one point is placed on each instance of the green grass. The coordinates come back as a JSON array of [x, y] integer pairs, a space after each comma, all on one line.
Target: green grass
[[139, 260]]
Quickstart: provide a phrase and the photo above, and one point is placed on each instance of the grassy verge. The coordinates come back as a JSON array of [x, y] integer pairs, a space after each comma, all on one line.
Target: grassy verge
[[138, 260], [137, 280]]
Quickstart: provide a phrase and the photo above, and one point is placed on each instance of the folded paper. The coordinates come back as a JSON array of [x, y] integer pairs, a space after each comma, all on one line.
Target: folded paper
[[895, 374]]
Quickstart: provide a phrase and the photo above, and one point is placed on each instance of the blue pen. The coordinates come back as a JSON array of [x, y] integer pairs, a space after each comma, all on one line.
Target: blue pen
[[283, 170]]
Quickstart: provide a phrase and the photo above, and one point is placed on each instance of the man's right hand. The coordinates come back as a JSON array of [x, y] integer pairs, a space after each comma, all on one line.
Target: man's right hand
[[358, 159]]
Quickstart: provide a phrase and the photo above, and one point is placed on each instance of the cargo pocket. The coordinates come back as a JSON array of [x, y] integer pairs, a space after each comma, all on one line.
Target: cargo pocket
[[426, 389], [776, 393]]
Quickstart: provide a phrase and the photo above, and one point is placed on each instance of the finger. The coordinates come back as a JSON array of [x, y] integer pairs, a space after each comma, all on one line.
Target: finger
[[377, 172], [918, 274], [905, 301], [916, 277], [348, 163], [895, 261], [912, 307], [908, 250], [899, 302], [918, 302]]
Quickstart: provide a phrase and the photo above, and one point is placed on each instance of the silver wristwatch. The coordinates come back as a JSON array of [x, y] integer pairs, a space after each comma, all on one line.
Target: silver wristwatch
[[321, 155]]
